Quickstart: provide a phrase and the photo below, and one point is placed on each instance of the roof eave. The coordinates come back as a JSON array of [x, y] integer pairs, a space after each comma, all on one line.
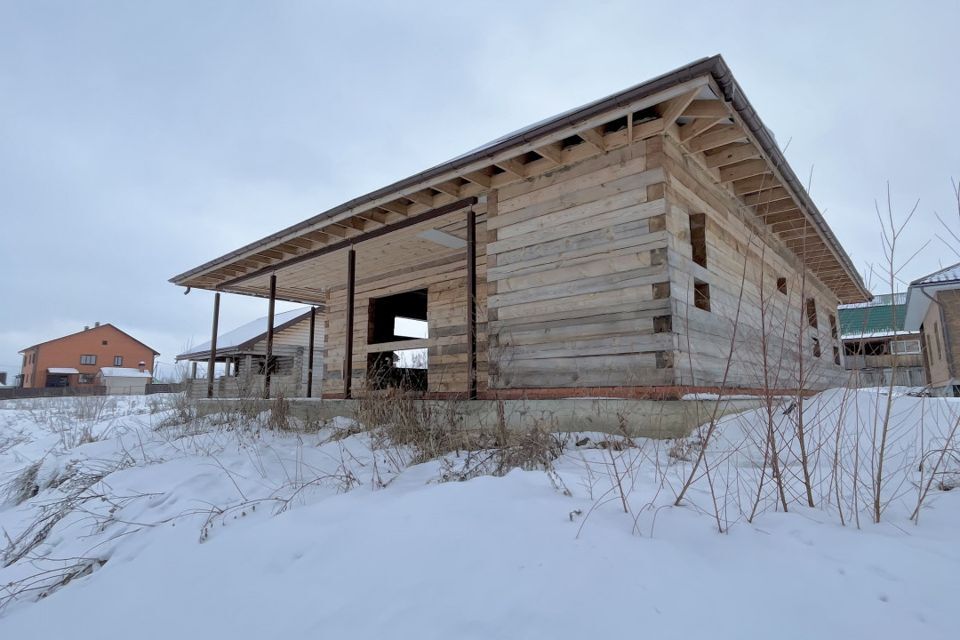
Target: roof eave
[[714, 67]]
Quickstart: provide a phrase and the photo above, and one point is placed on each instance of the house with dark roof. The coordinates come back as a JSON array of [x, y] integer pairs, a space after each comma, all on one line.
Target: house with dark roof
[[933, 310], [75, 360], [876, 347], [240, 356], [648, 244]]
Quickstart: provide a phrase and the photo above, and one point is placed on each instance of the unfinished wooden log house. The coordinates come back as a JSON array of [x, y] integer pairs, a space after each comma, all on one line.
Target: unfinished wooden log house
[[294, 363], [646, 245]]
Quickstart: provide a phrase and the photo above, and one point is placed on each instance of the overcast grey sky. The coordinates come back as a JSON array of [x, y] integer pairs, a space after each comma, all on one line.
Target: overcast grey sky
[[138, 140]]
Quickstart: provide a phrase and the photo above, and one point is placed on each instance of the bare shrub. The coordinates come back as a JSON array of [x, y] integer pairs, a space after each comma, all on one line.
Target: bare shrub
[[181, 407], [279, 412], [491, 455], [77, 488], [22, 486]]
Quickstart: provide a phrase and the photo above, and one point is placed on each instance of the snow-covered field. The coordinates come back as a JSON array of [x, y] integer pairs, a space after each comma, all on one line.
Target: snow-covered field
[[127, 518]]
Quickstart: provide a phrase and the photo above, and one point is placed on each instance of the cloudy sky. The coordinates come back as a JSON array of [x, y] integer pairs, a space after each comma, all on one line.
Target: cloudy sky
[[138, 140]]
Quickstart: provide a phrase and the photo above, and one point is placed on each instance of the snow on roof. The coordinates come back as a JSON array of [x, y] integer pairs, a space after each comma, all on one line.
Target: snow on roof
[[247, 332], [872, 335], [879, 300], [948, 274], [124, 372], [62, 370], [918, 295]]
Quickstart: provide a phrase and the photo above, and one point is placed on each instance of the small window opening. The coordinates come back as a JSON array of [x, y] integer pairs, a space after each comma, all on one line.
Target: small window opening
[[836, 356], [279, 365], [118, 361], [104, 343], [936, 337], [904, 347], [661, 290], [782, 285], [701, 295], [816, 347], [698, 238], [833, 326], [812, 312], [662, 324]]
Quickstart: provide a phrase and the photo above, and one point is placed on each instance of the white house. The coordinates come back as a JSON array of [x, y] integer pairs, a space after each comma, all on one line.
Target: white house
[[124, 380]]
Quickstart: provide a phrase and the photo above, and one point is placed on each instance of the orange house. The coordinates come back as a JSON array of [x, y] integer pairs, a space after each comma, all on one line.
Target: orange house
[[74, 360]]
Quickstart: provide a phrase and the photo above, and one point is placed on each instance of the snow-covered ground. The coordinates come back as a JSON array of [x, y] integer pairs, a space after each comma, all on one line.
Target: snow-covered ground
[[127, 518]]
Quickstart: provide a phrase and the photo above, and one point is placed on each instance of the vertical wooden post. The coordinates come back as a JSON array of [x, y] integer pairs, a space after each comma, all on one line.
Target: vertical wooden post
[[471, 304], [272, 306], [348, 353], [313, 327], [212, 361], [247, 376], [193, 370]]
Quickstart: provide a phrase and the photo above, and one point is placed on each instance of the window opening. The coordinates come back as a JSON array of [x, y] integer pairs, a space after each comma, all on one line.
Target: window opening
[[698, 238], [701, 295], [812, 312]]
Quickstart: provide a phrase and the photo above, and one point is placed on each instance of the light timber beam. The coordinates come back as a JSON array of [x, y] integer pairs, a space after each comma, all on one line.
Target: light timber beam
[[716, 137], [706, 109]]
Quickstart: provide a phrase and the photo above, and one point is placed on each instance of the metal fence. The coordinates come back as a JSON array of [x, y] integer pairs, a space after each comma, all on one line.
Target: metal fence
[[15, 393]]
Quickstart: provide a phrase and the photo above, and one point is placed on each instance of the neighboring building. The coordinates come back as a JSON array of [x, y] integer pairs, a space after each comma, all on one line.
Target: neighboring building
[[649, 244], [242, 353], [933, 309], [877, 347], [76, 359], [125, 380]]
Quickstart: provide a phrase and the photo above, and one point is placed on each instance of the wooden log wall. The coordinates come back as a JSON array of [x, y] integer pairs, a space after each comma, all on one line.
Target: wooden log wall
[[586, 278], [577, 271], [744, 263], [445, 279]]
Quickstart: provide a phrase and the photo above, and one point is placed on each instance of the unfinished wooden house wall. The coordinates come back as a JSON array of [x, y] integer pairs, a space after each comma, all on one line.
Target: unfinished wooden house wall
[[935, 345], [586, 278], [576, 271], [297, 337], [292, 342], [753, 326], [445, 279]]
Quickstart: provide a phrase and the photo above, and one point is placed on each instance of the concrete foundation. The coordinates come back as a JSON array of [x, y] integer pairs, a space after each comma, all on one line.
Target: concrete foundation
[[641, 418]]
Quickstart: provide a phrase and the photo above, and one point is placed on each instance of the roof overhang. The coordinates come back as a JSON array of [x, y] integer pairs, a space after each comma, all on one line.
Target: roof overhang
[[700, 105], [919, 299]]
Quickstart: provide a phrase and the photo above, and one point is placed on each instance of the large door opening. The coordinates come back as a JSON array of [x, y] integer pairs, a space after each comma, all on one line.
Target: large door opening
[[396, 318]]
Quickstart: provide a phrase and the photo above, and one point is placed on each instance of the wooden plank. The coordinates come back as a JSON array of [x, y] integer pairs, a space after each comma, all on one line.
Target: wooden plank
[[718, 136], [755, 184], [745, 169], [706, 109]]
